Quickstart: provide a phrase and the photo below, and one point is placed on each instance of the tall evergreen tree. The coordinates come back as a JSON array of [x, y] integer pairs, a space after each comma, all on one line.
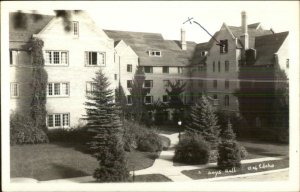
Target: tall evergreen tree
[[103, 117], [204, 121], [228, 149]]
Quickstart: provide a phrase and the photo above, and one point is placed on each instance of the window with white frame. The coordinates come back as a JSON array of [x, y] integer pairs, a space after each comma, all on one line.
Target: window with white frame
[[14, 90], [153, 53], [90, 87], [76, 28], [56, 57], [224, 46], [148, 84], [148, 99], [129, 68], [94, 58], [58, 89], [148, 69], [58, 120], [166, 83], [180, 70]]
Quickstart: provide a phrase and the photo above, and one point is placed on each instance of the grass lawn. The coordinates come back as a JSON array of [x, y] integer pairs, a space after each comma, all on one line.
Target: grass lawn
[[64, 160], [213, 172]]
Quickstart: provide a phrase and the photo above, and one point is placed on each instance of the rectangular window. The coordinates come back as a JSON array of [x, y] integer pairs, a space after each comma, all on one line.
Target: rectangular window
[[129, 68], [287, 63], [155, 53], [129, 99], [166, 83], [226, 84], [148, 99], [165, 98], [129, 83], [226, 100], [93, 58], [13, 57], [75, 28], [224, 46], [219, 66], [180, 70], [14, 90], [90, 87], [58, 120], [165, 69], [58, 89], [56, 58], [148, 69], [148, 84], [215, 83], [214, 66], [226, 66]]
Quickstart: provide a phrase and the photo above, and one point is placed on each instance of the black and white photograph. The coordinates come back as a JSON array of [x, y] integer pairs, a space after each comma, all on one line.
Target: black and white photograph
[[150, 95]]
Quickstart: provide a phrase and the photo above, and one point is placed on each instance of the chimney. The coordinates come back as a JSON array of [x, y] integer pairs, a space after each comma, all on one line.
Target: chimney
[[245, 36], [183, 42]]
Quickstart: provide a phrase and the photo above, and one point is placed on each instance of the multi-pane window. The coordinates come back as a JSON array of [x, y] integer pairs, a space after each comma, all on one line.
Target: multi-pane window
[[226, 66], [148, 69], [214, 66], [14, 90], [215, 83], [155, 53], [58, 89], [166, 83], [129, 83], [165, 69], [56, 57], [129, 99], [90, 87], [148, 99], [129, 68], [226, 100], [219, 66], [148, 84], [165, 98], [59, 120], [224, 46], [226, 84], [180, 70], [93, 58], [75, 28]]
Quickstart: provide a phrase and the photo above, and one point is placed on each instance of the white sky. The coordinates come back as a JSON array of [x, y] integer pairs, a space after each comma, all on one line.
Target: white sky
[[167, 17]]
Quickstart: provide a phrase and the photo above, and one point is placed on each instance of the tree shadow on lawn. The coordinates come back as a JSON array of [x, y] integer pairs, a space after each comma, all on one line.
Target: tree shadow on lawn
[[62, 171]]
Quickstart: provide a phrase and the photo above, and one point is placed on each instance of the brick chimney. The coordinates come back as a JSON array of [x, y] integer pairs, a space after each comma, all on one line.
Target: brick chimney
[[183, 41], [245, 36]]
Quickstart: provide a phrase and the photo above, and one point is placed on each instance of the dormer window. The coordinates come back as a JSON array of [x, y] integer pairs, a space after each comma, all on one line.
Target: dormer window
[[75, 28], [154, 53]]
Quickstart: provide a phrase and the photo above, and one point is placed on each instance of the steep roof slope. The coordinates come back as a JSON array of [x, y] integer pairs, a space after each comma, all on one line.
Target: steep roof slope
[[19, 35], [266, 46], [141, 43]]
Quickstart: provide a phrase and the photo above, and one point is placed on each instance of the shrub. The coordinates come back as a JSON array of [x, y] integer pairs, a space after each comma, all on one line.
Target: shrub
[[24, 131], [244, 152], [150, 142], [192, 149], [73, 135], [165, 142]]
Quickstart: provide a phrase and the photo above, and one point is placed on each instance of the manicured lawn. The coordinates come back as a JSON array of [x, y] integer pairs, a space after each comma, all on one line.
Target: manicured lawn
[[61, 160], [151, 178], [213, 172]]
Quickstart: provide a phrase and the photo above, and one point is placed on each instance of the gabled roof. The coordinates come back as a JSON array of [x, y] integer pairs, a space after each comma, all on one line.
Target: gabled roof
[[18, 36], [266, 46], [252, 32], [142, 42]]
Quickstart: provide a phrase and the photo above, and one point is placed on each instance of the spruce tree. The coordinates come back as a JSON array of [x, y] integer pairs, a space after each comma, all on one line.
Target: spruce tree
[[228, 149], [103, 117], [204, 121]]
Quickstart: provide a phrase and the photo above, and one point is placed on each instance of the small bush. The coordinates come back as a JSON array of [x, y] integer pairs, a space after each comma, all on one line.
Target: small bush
[[165, 142], [192, 149], [24, 131], [244, 152], [150, 142], [229, 155]]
